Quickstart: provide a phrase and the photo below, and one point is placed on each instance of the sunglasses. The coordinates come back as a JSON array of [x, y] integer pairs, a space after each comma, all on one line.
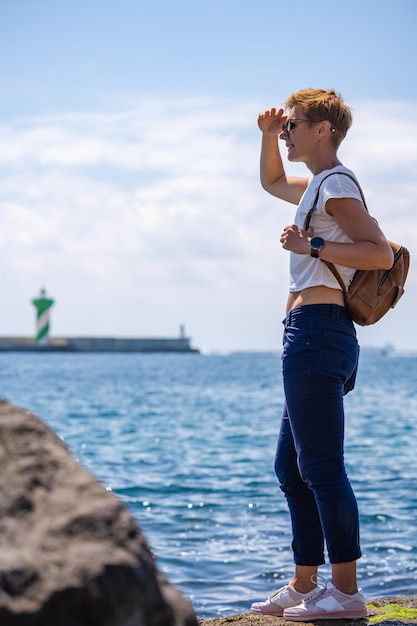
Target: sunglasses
[[291, 124]]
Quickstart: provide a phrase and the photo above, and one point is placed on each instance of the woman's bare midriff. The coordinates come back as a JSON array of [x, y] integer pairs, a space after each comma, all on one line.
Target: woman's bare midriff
[[315, 295]]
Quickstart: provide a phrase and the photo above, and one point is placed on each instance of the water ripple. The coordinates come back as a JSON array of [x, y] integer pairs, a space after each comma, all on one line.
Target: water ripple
[[187, 443]]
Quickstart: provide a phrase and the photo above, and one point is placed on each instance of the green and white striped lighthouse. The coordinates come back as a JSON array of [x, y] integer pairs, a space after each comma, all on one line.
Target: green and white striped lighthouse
[[43, 306]]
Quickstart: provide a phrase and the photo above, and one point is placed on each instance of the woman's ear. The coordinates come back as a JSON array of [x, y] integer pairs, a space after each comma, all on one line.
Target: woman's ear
[[324, 128]]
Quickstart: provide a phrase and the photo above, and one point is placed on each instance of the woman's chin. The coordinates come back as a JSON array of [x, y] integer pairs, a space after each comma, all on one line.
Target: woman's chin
[[291, 156]]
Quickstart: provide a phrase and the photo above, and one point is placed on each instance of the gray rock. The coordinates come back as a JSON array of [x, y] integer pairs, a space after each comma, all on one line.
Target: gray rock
[[71, 554]]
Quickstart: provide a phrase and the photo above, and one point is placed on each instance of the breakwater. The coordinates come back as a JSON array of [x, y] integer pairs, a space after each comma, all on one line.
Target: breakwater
[[98, 344]]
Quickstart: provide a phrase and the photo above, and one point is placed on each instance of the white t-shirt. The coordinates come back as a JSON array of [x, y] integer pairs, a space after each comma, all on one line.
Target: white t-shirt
[[305, 270]]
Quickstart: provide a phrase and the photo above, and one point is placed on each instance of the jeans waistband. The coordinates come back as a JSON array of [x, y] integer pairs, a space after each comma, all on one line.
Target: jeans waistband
[[333, 311]]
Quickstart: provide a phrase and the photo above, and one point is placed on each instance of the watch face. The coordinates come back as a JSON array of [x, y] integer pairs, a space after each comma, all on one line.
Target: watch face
[[317, 243]]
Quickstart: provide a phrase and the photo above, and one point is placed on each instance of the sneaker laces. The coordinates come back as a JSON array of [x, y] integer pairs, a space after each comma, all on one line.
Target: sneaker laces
[[314, 579], [278, 592], [319, 581]]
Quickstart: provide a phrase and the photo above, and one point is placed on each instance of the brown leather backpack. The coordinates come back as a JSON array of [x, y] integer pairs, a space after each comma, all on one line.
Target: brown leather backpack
[[371, 293]]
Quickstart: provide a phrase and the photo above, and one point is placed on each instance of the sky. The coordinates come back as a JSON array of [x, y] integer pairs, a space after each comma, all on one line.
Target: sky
[[129, 159]]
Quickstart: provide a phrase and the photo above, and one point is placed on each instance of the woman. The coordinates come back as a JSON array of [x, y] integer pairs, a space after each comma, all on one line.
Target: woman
[[320, 351]]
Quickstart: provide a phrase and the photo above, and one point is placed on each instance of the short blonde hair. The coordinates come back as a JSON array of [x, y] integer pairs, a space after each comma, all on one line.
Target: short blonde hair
[[320, 105]]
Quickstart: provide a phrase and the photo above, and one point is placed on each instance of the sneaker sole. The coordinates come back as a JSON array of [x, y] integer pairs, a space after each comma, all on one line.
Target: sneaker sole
[[337, 615]]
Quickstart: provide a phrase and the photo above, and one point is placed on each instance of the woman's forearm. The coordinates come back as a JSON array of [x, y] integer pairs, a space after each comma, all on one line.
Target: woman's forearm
[[271, 167]]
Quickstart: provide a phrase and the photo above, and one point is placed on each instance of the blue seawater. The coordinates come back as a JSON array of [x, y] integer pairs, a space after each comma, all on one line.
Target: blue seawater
[[187, 442]]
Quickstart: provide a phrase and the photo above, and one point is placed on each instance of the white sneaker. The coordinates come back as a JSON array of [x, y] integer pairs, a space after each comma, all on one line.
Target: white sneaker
[[329, 603], [282, 599]]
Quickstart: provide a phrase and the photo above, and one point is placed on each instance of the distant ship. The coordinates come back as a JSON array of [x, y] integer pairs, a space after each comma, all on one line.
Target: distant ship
[[42, 342]]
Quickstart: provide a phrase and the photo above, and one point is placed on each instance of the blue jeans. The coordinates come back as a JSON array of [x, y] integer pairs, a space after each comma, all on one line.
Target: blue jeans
[[319, 362]]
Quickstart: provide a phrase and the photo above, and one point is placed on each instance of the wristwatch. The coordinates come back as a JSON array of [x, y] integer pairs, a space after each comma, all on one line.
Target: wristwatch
[[316, 244]]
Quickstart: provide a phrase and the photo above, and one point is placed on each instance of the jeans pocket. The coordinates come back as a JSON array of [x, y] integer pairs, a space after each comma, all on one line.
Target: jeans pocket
[[339, 357]]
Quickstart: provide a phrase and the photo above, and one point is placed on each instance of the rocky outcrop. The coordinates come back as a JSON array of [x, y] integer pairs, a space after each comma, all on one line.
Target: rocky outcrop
[[382, 612], [71, 554]]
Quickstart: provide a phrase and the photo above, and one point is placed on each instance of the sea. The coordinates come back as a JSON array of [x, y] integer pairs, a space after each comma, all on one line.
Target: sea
[[187, 441]]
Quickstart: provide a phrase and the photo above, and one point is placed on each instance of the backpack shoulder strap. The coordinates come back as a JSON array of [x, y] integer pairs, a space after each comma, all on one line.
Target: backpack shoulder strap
[[336, 275], [310, 213]]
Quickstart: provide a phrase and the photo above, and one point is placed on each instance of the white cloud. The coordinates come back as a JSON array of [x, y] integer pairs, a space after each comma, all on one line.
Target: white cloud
[[140, 220]]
